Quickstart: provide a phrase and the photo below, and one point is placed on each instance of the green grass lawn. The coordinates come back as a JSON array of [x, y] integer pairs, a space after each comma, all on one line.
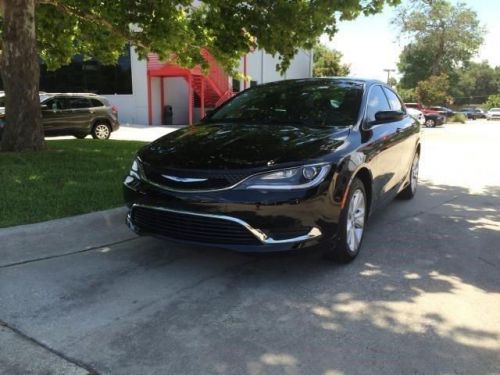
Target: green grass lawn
[[72, 177]]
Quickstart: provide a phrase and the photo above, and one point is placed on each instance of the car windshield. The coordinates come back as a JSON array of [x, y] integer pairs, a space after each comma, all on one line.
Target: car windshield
[[307, 103], [495, 110]]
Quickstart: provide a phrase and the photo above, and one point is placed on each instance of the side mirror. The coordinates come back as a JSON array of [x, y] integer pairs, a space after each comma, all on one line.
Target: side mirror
[[388, 116]]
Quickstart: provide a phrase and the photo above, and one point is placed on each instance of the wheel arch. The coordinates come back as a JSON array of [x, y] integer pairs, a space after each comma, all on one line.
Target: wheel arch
[[366, 177], [100, 120]]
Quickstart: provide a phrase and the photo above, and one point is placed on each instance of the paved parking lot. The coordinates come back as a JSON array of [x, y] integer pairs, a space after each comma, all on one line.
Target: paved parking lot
[[423, 297]]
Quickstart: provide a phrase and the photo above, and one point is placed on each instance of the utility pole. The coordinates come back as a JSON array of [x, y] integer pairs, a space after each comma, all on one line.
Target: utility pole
[[389, 71]]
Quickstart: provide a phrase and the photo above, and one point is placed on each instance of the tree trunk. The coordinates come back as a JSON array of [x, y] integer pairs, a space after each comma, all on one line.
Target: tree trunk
[[20, 74]]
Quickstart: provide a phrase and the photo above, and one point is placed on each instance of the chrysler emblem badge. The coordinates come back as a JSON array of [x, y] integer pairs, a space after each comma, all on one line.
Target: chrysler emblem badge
[[183, 179]]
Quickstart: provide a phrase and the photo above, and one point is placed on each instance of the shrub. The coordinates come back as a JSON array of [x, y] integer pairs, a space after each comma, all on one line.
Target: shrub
[[458, 117], [493, 101]]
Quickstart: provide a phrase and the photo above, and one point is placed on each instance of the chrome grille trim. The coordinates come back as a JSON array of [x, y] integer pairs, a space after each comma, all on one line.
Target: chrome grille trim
[[261, 236]]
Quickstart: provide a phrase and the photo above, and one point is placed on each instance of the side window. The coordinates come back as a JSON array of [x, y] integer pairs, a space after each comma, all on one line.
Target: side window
[[96, 103], [394, 101], [77, 103], [376, 102], [55, 104]]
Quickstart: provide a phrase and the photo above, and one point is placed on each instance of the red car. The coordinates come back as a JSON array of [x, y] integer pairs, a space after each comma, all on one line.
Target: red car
[[432, 118]]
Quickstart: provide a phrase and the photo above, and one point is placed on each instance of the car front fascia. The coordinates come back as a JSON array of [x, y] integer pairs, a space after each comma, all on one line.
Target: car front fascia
[[286, 219]]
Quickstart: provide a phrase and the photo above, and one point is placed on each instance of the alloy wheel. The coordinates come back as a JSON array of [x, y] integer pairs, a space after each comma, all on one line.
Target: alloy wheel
[[430, 123], [355, 220], [102, 131]]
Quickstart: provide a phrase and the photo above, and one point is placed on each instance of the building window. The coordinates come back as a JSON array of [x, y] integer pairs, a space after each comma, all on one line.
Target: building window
[[236, 85], [88, 76]]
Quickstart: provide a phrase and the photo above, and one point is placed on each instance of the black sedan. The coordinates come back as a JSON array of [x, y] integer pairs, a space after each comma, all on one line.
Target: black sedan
[[280, 166]]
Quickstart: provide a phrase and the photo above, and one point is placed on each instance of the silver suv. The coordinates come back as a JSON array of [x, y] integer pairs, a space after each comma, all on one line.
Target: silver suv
[[78, 115]]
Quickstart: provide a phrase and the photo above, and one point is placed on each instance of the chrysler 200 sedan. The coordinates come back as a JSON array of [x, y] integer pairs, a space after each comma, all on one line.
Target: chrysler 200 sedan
[[280, 166]]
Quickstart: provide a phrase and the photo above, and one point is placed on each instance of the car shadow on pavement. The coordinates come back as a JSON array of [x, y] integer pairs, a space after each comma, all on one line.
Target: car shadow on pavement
[[421, 298]]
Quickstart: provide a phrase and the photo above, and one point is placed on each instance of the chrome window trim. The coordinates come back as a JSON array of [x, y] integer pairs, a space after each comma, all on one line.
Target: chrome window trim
[[261, 236]]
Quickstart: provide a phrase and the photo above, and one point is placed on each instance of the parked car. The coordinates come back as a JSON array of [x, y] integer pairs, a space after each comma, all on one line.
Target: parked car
[[443, 111], [432, 118], [418, 115], [493, 114], [78, 115], [2, 103], [473, 113], [280, 166]]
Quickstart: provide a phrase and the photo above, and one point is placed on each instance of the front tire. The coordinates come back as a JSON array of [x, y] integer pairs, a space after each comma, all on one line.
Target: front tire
[[101, 130], [351, 225], [410, 191]]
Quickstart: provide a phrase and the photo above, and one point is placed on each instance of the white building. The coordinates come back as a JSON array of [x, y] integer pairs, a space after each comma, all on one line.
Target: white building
[[155, 85]]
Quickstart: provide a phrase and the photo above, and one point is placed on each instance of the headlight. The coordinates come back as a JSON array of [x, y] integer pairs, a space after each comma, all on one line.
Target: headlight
[[135, 169], [288, 179]]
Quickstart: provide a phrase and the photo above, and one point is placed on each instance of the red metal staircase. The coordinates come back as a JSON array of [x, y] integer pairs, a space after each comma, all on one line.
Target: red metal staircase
[[211, 89]]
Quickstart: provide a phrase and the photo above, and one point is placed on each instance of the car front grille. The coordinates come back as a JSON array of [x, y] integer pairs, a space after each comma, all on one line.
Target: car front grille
[[209, 179], [189, 227]]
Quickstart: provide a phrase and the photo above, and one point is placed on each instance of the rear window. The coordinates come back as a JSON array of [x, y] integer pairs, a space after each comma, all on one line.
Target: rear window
[[96, 103], [78, 102]]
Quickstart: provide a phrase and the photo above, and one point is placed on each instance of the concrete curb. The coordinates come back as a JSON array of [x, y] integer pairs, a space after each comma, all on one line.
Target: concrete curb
[[58, 237]]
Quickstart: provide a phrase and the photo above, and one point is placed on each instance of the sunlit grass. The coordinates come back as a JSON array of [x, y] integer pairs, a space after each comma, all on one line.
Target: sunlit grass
[[72, 177]]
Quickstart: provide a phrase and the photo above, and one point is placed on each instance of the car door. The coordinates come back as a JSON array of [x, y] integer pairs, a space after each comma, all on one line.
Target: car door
[[380, 141], [406, 137], [79, 116], [53, 113]]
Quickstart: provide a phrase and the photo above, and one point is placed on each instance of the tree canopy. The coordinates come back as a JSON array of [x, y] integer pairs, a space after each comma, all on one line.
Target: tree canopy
[[328, 62], [170, 28], [440, 37], [228, 28]]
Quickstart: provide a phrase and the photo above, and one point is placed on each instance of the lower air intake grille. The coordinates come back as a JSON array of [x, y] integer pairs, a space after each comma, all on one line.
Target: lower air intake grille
[[191, 227]]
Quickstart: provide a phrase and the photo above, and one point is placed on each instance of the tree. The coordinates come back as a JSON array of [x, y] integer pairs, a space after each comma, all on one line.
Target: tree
[[493, 101], [440, 37], [171, 28], [434, 90], [408, 95], [475, 82], [327, 62]]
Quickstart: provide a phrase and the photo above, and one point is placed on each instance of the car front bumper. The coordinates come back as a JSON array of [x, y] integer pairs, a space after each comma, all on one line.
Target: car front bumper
[[241, 220]]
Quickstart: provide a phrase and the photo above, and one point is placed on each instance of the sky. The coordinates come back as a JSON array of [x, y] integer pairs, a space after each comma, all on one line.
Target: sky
[[370, 45]]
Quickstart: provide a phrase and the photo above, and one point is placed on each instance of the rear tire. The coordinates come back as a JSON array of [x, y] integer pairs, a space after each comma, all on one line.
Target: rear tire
[[101, 130], [351, 227], [409, 192]]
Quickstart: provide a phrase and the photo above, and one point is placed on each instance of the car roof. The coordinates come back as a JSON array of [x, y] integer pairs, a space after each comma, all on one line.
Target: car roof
[[361, 81], [70, 94]]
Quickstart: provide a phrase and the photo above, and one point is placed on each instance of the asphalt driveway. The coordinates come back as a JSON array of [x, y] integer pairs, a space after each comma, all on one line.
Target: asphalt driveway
[[86, 296]]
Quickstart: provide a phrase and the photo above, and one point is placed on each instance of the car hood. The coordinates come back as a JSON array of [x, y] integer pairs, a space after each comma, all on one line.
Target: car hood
[[237, 146]]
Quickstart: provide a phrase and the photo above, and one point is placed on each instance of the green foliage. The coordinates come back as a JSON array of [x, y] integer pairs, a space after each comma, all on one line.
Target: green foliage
[[393, 82], [327, 62], [228, 28], [433, 90], [493, 101], [441, 37], [475, 82], [72, 177], [408, 95], [458, 117]]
